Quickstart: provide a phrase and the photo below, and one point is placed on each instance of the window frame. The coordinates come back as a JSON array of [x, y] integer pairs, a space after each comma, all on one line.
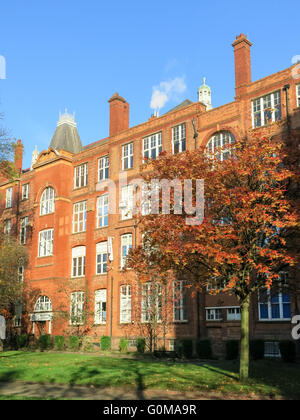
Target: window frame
[[259, 109], [100, 298], [45, 242], [9, 198], [236, 313], [298, 95], [77, 305], [25, 191], [125, 243], [214, 312], [147, 303], [103, 171], [217, 141], [280, 303], [76, 215], [43, 304], [127, 200], [125, 304], [102, 207], [180, 303], [81, 175], [157, 148], [7, 227], [178, 137], [128, 157], [78, 261], [23, 229], [47, 203], [101, 250]]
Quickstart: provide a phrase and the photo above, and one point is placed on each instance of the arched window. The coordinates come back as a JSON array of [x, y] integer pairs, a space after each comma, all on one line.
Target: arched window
[[219, 140], [43, 304], [47, 201]]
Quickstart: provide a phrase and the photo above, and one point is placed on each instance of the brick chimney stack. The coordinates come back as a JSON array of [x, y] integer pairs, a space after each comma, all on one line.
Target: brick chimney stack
[[242, 59], [18, 156], [118, 114]]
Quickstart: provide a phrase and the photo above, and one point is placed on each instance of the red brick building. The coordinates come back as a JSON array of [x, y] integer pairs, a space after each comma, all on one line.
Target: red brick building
[[59, 210]]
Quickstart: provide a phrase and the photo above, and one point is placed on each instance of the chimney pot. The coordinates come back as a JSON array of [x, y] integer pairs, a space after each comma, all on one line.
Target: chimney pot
[[118, 114]]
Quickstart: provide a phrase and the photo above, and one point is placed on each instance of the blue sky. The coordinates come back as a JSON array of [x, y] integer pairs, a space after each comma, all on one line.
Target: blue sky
[[76, 54]]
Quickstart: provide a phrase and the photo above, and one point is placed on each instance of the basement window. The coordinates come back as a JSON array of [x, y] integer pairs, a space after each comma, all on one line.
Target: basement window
[[272, 349]]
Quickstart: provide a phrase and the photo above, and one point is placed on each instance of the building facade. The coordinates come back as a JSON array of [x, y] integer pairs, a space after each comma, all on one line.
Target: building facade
[[59, 210]]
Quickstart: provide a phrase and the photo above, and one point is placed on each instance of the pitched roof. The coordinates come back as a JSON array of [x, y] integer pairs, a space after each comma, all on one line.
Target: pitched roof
[[66, 137], [182, 105]]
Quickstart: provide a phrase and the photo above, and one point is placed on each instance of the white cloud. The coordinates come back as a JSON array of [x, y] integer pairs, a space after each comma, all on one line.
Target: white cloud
[[167, 90]]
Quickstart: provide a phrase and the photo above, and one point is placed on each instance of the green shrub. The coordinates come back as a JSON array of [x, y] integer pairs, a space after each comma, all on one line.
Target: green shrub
[[232, 349], [257, 349], [123, 345], [87, 344], [45, 342], [288, 351], [73, 342], [105, 343], [185, 348], [59, 342], [203, 349], [22, 340], [141, 345]]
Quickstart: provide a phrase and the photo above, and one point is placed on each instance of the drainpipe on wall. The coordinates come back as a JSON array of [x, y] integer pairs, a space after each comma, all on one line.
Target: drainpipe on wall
[[286, 90], [111, 304]]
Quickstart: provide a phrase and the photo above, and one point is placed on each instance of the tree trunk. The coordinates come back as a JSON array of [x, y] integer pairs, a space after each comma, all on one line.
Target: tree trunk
[[244, 356], [1, 346]]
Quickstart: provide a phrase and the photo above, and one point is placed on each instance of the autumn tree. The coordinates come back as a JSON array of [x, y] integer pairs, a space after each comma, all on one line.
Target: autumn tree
[[241, 240], [12, 254]]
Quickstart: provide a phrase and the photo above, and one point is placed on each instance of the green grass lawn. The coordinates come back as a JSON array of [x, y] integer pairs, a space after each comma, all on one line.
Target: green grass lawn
[[267, 377]]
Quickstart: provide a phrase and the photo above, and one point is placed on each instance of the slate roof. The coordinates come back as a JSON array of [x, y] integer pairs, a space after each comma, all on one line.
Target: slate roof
[[66, 137], [182, 105]]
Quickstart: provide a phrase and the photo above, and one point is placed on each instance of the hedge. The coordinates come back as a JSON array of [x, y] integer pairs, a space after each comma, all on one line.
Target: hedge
[[45, 342], [184, 348], [203, 349], [123, 345], [141, 345], [59, 342], [105, 342], [73, 342]]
